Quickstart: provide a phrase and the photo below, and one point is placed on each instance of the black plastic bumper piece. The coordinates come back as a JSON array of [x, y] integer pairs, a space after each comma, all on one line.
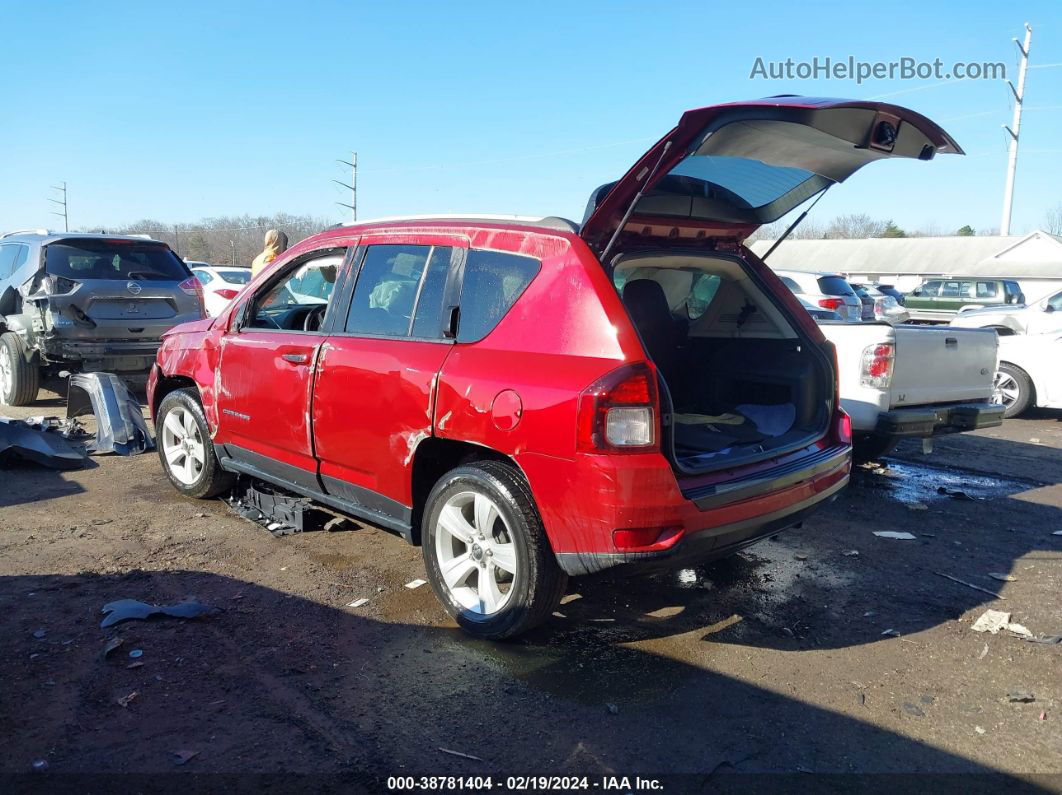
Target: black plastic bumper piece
[[923, 421], [120, 426]]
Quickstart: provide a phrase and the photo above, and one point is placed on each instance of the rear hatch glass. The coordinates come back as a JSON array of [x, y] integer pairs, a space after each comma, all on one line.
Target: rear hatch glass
[[834, 285], [235, 277], [83, 260]]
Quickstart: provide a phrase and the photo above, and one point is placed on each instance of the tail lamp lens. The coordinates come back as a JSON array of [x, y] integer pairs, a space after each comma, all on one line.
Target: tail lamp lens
[[618, 412], [228, 295], [831, 303], [193, 287], [877, 365], [844, 427]]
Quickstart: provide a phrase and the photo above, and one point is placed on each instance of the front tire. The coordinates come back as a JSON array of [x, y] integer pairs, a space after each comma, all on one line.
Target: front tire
[[486, 551], [20, 380], [1013, 389], [185, 448]]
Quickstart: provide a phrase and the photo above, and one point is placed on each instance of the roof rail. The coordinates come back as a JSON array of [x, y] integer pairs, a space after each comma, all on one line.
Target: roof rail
[[27, 232], [548, 222]]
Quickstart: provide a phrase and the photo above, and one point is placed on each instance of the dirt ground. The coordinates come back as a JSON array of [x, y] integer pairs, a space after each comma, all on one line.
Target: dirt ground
[[827, 650]]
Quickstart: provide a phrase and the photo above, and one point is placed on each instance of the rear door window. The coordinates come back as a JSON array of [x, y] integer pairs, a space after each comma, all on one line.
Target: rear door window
[[236, 276], [8, 254], [986, 290], [950, 290], [386, 290], [114, 259], [834, 285], [492, 283]]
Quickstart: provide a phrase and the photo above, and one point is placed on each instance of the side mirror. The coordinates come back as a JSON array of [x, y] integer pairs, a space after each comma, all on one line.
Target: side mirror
[[916, 291], [1049, 308]]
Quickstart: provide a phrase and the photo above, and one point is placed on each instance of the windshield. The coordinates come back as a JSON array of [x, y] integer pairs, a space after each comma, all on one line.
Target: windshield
[[114, 259]]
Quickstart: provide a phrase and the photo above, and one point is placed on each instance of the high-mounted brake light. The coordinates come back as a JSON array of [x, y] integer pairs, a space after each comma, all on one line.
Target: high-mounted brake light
[[876, 371], [619, 412]]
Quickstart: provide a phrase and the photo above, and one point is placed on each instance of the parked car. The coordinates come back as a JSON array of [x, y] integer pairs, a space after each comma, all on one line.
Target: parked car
[[940, 300], [888, 289], [878, 306], [1028, 373], [220, 284], [916, 382], [531, 399], [1042, 317], [827, 290], [83, 302]]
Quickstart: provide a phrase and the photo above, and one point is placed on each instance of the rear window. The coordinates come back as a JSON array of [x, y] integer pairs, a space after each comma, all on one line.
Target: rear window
[[114, 259], [834, 285], [492, 283], [236, 277]]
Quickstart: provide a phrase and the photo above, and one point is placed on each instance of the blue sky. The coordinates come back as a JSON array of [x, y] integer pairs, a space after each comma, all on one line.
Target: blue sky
[[177, 111]]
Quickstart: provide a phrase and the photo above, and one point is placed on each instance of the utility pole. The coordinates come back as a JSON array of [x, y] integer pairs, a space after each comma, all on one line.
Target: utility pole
[[233, 244], [1012, 156], [352, 187], [61, 203]]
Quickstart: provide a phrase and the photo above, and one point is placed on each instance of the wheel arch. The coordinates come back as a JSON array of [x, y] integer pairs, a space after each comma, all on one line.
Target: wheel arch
[[432, 459], [167, 384]]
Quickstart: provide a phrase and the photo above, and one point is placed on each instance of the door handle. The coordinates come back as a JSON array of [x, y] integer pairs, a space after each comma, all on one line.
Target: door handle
[[295, 358]]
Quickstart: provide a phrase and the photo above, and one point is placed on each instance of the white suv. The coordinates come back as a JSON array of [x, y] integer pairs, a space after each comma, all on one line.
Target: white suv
[[828, 290]]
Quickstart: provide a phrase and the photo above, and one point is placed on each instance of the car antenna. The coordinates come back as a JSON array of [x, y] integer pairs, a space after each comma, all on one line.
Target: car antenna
[[634, 201], [795, 223]]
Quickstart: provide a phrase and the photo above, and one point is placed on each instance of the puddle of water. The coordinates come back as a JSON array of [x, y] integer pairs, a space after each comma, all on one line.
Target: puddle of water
[[911, 483]]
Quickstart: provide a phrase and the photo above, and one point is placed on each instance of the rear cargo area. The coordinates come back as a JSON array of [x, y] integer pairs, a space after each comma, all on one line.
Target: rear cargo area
[[741, 381]]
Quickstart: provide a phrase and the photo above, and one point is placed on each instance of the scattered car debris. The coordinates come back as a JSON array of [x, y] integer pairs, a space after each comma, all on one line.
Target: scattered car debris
[[131, 609], [992, 621], [801, 556], [1048, 639], [891, 633], [979, 730], [1043, 715], [955, 494], [125, 701], [110, 646], [899, 536], [913, 709], [358, 603], [40, 764], [183, 757], [1021, 697], [917, 506], [970, 585], [995, 575], [415, 584], [136, 653], [120, 425], [851, 553], [1057, 533], [613, 709], [280, 513], [462, 755], [984, 653], [37, 443], [40, 633], [137, 664]]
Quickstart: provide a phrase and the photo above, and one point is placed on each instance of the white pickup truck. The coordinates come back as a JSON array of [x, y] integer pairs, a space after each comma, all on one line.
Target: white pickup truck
[[901, 382]]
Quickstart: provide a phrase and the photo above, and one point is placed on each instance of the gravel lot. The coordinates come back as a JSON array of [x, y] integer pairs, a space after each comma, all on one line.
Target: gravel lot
[[774, 661]]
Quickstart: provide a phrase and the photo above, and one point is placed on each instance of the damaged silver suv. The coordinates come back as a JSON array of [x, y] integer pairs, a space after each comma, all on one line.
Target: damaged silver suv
[[86, 303]]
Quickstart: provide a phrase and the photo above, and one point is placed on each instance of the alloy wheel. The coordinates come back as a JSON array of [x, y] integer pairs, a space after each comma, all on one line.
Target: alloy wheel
[[1005, 389], [182, 445], [475, 551]]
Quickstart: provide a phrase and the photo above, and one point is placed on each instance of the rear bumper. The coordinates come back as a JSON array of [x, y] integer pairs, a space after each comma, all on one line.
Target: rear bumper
[[124, 355], [924, 421], [587, 503]]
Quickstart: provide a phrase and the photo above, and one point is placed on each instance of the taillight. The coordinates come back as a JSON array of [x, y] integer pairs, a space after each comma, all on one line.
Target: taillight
[[831, 303], [228, 295], [877, 365], [59, 285], [844, 427], [618, 413], [193, 287]]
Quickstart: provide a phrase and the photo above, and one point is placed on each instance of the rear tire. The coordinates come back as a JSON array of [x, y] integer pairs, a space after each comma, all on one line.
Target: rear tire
[[872, 447], [20, 380], [185, 448], [486, 552], [1013, 389]]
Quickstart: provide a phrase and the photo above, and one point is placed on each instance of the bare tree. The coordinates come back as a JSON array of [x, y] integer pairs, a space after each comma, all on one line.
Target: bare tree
[[1053, 220], [855, 225], [224, 240]]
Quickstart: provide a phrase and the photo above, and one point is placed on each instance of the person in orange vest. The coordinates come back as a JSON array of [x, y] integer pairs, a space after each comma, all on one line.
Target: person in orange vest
[[276, 243]]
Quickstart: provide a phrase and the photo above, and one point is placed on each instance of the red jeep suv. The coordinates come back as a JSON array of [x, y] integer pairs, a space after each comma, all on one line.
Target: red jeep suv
[[529, 399]]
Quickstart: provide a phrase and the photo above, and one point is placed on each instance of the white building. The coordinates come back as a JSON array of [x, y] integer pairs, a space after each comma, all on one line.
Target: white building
[[1035, 260]]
